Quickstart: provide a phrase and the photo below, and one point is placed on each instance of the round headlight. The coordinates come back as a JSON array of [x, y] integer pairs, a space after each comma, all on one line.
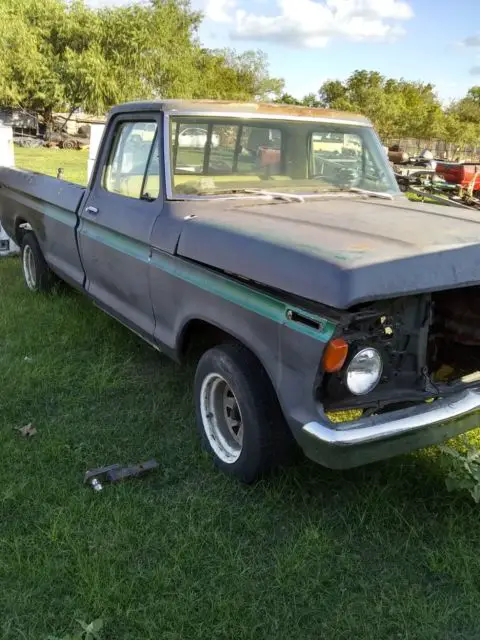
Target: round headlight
[[364, 371]]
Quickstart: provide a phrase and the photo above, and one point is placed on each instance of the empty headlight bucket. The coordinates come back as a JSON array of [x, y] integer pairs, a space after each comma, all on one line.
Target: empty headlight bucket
[[364, 371]]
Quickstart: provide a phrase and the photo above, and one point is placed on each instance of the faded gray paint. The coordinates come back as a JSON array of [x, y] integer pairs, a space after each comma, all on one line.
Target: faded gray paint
[[157, 271], [339, 251]]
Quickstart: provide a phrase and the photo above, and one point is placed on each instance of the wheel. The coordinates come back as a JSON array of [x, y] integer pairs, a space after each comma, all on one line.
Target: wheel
[[69, 145], [239, 419], [36, 272]]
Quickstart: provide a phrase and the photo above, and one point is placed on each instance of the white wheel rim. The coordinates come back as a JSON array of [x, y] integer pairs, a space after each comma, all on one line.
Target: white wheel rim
[[29, 269], [221, 418]]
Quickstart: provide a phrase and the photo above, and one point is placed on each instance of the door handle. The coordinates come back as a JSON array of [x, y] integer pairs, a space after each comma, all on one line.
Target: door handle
[[91, 210]]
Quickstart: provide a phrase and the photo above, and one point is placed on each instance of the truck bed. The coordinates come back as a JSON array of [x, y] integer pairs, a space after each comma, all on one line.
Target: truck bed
[[51, 208], [66, 195]]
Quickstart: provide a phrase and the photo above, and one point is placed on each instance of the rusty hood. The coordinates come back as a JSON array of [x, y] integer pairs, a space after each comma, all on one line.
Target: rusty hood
[[338, 251]]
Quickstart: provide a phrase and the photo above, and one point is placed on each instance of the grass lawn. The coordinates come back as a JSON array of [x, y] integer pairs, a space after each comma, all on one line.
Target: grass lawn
[[382, 552], [74, 163], [414, 197]]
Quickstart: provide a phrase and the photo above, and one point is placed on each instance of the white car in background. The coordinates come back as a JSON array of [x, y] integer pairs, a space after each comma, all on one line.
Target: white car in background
[[7, 246], [196, 138]]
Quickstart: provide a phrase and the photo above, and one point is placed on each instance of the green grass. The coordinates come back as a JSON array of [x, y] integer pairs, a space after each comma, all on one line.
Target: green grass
[[414, 197], [74, 163], [382, 552]]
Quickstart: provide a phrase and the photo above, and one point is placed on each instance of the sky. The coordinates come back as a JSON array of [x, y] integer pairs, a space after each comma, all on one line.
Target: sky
[[310, 41]]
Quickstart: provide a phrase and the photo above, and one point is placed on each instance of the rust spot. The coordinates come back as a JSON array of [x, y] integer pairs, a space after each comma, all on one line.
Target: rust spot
[[359, 247], [227, 106]]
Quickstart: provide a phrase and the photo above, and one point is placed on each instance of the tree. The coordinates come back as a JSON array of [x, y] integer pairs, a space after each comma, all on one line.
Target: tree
[[397, 107], [29, 78], [468, 108], [334, 92], [474, 94], [153, 47], [463, 119], [64, 54], [254, 66], [309, 100], [250, 74], [287, 98]]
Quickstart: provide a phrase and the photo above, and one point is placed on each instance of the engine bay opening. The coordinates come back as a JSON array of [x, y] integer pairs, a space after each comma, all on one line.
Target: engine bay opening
[[454, 340], [429, 346], [394, 333]]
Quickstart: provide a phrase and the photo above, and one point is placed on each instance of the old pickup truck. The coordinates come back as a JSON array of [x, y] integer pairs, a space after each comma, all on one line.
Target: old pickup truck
[[325, 308]]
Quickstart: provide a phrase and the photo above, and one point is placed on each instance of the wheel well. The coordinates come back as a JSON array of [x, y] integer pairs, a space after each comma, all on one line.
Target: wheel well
[[19, 230], [198, 336]]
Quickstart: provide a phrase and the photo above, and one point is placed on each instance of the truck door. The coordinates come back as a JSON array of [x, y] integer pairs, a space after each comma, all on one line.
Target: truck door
[[117, 220]]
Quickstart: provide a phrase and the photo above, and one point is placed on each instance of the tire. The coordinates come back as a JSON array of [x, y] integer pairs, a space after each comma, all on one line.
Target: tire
[[69, 145], [36, 273], [262, 439]]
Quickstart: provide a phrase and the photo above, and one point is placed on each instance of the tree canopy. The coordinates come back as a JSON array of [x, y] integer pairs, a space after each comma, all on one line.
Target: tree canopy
[[400, 108], [64, 54]]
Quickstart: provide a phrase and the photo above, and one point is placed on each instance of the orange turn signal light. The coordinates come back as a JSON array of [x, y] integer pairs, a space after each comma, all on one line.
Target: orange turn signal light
[[335, 355]]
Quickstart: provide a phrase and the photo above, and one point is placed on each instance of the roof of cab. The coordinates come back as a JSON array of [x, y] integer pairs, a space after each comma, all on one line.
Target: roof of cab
[[237, 109]]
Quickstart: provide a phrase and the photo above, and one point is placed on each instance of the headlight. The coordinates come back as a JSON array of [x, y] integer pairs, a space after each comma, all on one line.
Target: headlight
[[364, 372]]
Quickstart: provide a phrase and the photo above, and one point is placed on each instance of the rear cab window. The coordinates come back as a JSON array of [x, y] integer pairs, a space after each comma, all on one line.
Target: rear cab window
[[228, 153]]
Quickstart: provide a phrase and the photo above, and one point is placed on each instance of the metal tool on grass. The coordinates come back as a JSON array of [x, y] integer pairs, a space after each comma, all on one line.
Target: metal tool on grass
[[115, 473]]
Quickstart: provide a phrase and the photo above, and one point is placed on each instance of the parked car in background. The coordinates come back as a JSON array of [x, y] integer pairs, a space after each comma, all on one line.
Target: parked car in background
[[196, 138], [335, 143], [7, 246], [144, 132], [23, 123], [27, 142]]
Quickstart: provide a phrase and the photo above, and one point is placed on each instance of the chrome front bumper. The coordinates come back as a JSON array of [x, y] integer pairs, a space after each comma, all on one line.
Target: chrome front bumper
[[378, 437]]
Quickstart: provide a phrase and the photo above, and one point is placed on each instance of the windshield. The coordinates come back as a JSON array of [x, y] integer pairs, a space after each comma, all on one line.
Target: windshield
[[212, 156]]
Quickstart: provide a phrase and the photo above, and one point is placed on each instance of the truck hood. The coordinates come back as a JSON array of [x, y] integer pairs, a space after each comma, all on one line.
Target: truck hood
[[338, 251]]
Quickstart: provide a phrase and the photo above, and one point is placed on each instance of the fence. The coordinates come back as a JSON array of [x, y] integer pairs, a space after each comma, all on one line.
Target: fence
[[439, 148]]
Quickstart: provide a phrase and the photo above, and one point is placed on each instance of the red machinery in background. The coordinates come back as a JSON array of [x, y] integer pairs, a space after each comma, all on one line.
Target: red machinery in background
[[465, 175], [451, 183]]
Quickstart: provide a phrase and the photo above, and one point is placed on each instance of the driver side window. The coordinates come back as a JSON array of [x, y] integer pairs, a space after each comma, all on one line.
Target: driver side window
[[131, 164]]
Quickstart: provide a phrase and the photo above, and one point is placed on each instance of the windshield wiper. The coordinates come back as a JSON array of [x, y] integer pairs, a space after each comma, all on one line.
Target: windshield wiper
[[275, 195], [288, 197], [371, 194], [296, 197]]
